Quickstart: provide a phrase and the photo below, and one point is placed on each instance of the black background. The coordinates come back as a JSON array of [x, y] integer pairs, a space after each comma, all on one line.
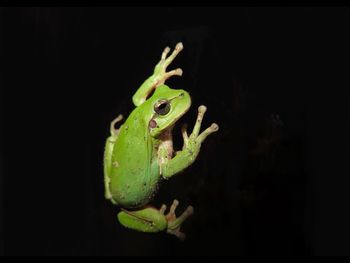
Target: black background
[[273, 181]]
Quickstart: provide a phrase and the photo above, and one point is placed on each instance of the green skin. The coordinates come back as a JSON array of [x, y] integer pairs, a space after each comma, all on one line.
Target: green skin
[[140, 153]]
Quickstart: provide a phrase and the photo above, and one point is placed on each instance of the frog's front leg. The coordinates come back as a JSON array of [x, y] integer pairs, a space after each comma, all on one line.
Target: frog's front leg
[[191, 147], [159, 75], [152, 220]]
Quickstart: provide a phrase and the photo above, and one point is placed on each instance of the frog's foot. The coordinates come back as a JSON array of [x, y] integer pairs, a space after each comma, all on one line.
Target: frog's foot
[[160, 75], [194, 138], [174, 223]]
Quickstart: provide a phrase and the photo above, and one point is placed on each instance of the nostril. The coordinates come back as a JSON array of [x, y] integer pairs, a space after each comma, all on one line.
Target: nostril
[[182, 94]]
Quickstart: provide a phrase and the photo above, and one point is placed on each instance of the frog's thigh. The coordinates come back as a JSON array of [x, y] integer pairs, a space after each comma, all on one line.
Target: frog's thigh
[[108, 163], [145, 220]]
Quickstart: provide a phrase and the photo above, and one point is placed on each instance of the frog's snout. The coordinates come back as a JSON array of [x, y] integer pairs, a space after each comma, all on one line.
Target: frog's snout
[[183, 94]]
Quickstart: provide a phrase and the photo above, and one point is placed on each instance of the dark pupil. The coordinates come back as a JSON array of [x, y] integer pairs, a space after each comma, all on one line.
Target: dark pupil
[[162, 108]]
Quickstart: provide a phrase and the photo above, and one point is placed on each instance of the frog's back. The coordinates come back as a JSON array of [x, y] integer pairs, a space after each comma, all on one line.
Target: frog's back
[[133, 174]]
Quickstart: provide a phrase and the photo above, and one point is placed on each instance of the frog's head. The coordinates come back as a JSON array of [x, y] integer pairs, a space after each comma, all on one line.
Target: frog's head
[[168, 105]]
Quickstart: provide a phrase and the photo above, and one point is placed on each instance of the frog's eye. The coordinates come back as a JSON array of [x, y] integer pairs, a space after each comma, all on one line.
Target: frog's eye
[[162, 107]]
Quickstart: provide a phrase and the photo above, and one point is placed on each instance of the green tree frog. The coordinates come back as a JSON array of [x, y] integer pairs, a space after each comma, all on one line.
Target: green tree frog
[[140, 153]]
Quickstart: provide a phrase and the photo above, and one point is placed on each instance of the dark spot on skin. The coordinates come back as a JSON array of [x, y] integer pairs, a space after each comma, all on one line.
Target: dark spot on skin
[[152, 123]]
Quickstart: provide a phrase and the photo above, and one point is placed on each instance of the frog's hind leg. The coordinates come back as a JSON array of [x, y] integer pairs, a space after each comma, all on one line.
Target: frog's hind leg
[[152, 220], [113, 130], [108, 155], [148, 220]]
